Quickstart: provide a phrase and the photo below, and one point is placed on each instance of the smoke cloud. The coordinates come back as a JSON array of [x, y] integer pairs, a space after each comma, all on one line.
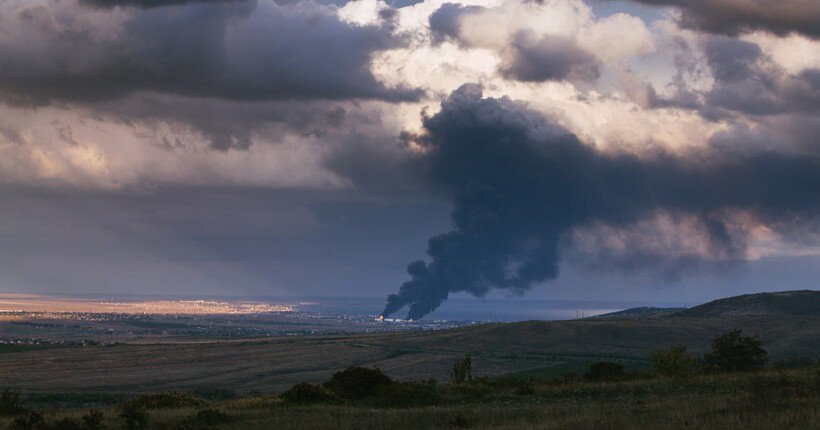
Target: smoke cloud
[[521, 185]]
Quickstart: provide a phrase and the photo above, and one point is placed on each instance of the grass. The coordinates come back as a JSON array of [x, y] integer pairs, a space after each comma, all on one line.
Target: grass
[[542, 349], [782, 399]]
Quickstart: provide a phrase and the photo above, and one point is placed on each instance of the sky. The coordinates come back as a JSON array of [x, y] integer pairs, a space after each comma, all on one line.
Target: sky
[[644, 150]]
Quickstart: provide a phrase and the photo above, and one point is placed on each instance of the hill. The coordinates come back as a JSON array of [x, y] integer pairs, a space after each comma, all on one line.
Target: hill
[[791, 303], [787, 323], [642, 312]]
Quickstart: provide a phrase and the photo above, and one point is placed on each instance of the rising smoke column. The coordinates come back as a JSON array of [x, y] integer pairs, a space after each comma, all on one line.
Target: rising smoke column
[[520, 183]]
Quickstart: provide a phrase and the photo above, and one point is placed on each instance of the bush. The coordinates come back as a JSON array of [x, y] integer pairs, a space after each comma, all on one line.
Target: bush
[[211, 417], [32, 421], [605, 371], [733, 352], [66, 423], [133, 417], [168, 400], [462, 370], [408, 394], [358, 382], [93, 420], [11, 403], [305, 394], [673, 362]]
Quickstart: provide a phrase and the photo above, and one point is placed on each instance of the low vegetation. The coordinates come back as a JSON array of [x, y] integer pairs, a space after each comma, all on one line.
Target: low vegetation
[[681, 391]]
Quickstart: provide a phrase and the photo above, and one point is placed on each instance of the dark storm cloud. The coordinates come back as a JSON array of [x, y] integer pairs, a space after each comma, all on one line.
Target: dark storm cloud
[[732, 17], [147, 4], [521, 184], [238, 50], [230, 124], [445, 22], [746, 83], [549, 58]]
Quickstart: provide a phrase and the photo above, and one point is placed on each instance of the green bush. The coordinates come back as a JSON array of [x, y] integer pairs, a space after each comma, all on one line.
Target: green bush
[[673, 362], [11, 403], [605, 371], [733, 352], [168, 400], [306, 394], [358, 382]]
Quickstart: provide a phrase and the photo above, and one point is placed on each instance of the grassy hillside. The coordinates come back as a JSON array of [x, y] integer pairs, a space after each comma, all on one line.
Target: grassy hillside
[[786, 303], [642, 312], [534, 347], [787, 399]]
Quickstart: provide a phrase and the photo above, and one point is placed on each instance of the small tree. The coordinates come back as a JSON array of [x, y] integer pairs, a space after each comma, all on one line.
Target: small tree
[[733, 352], [672, 362], [462, 370]]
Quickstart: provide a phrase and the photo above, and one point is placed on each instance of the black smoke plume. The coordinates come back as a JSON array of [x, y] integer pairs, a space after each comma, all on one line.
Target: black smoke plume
[[520, 183]]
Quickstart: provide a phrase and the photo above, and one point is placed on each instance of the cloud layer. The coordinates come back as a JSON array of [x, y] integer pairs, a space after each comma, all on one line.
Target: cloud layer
[[603, 136]]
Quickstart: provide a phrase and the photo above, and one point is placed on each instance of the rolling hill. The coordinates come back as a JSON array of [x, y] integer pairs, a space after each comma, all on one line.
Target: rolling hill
[[785, 303], [788, 324]]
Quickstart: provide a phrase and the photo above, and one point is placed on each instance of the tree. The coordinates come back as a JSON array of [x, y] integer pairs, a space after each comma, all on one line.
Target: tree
[[672, 362], [733, 352], [358, 382], [462, 370]]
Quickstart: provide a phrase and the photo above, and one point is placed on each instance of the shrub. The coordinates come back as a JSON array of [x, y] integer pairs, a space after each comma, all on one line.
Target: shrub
[[462, 370], [133, 417], [408, 394], [305, 394], [358, 382], [66, 423], [168, 400], [93, 420], [33, 421], [673, 362], [605, 371], [11, 403], [733, 352], [211, 417]]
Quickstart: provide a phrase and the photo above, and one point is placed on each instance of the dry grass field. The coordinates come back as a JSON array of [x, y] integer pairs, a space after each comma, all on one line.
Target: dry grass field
[[258, 366]]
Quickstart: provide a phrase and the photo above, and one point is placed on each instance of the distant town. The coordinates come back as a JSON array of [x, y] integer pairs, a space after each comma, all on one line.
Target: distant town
[[113, 322]]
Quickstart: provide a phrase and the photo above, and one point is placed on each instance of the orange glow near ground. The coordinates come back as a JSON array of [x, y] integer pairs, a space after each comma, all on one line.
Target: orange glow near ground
[[10, 302]]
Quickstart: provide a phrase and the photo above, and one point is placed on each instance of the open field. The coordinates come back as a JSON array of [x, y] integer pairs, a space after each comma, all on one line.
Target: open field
[[250, 366], [764, 400]]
